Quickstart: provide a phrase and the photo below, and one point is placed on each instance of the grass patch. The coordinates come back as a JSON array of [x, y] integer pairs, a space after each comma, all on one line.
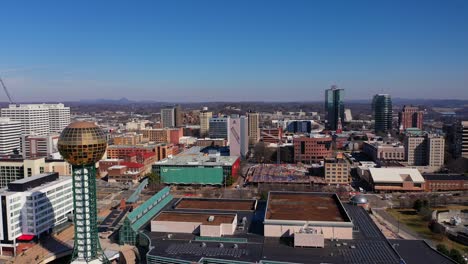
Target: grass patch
[[415, 222]]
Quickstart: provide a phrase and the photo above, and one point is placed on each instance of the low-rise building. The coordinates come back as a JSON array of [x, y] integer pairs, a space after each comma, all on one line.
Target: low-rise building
[[163, 135], [395, 179], [321, 215], [312, 149], [446, 182], [126, 172], [197, 169], [384, 150], [131, 138], [337, 170]]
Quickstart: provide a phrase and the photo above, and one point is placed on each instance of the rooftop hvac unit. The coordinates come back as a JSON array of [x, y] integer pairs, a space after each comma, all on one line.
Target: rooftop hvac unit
[[235, 246], [211, 218], [221, 245], [169, 236]]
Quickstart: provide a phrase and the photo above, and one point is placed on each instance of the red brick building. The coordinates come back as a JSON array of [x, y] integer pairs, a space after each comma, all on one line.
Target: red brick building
[[410, 117], [312, 149], [446, 182]]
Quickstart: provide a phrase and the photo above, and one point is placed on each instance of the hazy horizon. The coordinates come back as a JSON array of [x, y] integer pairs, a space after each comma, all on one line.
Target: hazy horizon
[[202, 51]]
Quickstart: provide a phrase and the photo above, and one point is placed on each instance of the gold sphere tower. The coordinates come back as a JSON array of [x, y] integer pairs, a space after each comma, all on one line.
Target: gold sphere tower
[[83, 144]]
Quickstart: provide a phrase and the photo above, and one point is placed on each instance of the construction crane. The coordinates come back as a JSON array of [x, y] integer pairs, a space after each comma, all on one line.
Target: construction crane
[[6, 91]]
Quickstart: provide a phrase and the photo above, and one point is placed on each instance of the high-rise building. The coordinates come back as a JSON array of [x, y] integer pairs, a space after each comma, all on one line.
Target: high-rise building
[[205, 122], [454, 138], [254, 127], [33, 206], [382, 109], [59, 117], [171, 116], [219, 127], [238, 136], [464, 149], [410, 117], [83, 144], [425, 150], [178, 116], [39, 119], [168, 117], [10, 136], [334, 107]]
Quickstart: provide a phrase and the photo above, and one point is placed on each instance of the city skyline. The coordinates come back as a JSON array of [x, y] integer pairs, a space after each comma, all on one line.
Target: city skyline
[[239, 51]]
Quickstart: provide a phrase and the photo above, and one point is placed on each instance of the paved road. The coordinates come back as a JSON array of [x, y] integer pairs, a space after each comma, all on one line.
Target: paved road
[[402, 227]]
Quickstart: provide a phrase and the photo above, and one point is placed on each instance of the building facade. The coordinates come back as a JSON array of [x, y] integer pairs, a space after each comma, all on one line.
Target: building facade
[[334, 107], [446, 182], [205, 122], [337, 170], [382, 111], [10, 136], [238, 136], [33, 206], [384, 151], [464, 149], [312, 149], [163, 135], [254, 127], [410, 117], [39, 119], [425, 150], [39, 146], [16, 169], [219, 127], [168, 117]]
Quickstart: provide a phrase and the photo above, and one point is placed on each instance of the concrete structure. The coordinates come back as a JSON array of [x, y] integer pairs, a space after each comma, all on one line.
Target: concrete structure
[[33, 206], [384, 150], [464, 149], [83, 144], [197, 169], [16, 169], [238, 136], [446, 182], [39, 119], [219, 127], [205, 122], [39, 146], [334, 107], [288, 213], [410, 117], [427, 150], [337, 170], [10, 136], [395, 179], [312, 149], [254, 127], [382, 110], [271, 135]]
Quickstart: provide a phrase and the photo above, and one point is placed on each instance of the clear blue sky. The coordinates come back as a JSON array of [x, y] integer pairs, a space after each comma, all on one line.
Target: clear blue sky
[[200, 50]]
